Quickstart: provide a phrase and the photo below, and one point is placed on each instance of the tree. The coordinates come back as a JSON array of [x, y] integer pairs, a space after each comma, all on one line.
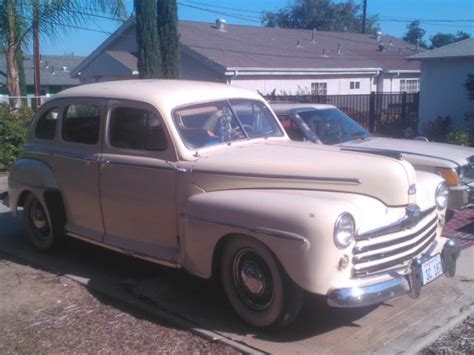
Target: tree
[[148, 40], [415, 34], [167, 14], [54, 16], [323, 15], [443, 39]]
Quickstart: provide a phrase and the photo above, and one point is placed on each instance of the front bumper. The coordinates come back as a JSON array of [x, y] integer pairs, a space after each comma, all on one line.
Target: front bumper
[[396, 286], [461, 197]]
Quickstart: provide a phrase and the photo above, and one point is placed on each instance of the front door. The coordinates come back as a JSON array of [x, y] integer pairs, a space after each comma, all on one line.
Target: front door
[[138, 182]]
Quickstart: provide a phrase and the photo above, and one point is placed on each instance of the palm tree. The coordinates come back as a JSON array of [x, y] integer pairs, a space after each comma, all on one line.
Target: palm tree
[[16, 25]]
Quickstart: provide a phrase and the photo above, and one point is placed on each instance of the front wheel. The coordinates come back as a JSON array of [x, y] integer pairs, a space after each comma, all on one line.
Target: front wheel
[[258, 289]]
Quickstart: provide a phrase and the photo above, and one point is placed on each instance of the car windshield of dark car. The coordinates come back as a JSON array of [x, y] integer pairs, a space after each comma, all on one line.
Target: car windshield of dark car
[[224, 121], [333, 126]]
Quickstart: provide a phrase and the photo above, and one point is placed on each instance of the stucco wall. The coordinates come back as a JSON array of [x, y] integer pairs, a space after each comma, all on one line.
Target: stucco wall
[[442, 91], [336, 85]]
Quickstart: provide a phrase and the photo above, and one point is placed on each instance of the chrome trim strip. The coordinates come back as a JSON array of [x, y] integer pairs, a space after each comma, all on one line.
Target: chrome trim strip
[[261, 230], [125, 251], [369, 269], [387, 254], [370, 247], [147, 166], [286, 177], [397, 226], [383, 152]]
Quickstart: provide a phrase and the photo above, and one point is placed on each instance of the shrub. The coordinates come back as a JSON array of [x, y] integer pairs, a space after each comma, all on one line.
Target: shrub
[[13, 130], [459, 137], [439, 129]]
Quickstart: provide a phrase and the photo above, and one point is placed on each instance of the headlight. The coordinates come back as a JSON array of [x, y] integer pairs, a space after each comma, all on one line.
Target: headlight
[[451, 176], [442, 192], [344, 230]]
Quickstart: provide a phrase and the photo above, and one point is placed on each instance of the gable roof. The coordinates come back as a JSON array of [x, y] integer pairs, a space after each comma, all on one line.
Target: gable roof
[[55, 69], [240, 47], [463, 48]]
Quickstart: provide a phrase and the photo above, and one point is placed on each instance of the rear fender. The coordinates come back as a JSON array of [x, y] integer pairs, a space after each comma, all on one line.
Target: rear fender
[[29, 175]]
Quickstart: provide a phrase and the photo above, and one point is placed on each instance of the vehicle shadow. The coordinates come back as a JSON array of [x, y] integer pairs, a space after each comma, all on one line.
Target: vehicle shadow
[[111, 276]]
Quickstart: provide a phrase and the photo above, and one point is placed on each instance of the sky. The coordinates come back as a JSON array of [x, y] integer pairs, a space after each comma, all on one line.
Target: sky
[[458, 15]]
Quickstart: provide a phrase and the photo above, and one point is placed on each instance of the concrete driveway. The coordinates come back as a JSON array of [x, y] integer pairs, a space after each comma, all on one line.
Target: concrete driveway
[[398, 325]]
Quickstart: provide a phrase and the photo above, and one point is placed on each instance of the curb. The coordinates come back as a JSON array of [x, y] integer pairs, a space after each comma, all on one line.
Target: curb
[[430, 337]]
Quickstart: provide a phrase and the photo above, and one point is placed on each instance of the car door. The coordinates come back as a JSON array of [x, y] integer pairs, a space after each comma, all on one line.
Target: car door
[[75, 162], [138, 182]]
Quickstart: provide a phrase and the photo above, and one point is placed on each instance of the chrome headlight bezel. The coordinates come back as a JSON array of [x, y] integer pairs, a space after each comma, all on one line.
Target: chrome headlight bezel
[[344, 230], [442, 195]]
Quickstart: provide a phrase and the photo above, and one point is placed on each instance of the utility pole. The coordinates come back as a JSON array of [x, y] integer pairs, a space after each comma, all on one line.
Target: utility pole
[[364, 15], [36, 51]]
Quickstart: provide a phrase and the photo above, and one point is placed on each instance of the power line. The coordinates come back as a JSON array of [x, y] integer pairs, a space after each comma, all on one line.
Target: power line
[[224, 7], [221, 13]]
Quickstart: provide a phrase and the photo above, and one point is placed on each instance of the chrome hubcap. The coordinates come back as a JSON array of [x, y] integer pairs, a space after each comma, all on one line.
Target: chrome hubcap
[[39, 219], [252, 279]]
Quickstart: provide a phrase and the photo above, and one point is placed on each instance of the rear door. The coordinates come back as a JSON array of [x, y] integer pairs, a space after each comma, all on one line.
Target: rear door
[[138, 182]]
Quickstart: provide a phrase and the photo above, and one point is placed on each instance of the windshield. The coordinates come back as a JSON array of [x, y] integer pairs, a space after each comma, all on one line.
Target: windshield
[[226, 121], [332, 126]]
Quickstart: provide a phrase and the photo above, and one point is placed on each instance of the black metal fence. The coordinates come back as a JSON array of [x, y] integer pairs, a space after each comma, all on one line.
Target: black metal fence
[[383, 114]]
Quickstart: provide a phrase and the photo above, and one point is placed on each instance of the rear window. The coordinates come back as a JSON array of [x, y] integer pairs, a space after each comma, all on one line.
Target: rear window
[[81, 124], [46, 126]]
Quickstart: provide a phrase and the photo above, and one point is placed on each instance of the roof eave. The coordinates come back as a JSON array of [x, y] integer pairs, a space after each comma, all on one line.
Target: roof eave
[[103, 46]]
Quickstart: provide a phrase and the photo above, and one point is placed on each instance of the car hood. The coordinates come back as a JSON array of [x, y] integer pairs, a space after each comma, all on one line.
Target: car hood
[[292, 165], [417, 151]]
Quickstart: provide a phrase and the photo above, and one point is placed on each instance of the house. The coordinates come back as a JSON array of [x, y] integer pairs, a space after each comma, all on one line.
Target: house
[[444, 71], [269, 59], [55, 74]]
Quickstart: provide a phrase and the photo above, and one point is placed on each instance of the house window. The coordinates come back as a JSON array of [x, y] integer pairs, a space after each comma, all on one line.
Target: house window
[[320, 88], [355, 85], [410, 85]]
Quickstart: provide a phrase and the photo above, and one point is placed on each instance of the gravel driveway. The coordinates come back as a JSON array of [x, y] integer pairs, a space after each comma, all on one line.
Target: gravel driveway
[[44, 313]]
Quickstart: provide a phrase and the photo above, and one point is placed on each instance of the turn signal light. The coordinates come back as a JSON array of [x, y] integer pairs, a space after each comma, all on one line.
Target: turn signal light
[[451, 177]]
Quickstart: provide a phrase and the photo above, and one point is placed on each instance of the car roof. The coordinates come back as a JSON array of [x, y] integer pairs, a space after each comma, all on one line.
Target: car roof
[[288, 107], [165, 94]]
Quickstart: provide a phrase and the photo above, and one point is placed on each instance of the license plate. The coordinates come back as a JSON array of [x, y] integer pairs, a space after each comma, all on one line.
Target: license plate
[[431, 269]]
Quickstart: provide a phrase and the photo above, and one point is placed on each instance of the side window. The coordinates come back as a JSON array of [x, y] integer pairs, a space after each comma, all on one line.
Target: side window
[[135, 128], [46, 126], [81, 124]]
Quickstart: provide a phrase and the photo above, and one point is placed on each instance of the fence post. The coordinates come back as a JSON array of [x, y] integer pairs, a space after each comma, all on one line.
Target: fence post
[[403, 120], [372, 112]]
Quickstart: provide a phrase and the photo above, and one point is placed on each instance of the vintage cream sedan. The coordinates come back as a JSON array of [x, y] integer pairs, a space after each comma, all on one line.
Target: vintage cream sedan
[[326, 124], [202, 176]]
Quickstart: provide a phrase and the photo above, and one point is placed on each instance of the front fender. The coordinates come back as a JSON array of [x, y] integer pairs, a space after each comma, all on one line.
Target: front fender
[[297, 226], [29, 175]]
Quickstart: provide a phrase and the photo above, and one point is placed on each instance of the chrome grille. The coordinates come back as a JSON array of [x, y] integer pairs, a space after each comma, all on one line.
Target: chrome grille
[[382, 254]]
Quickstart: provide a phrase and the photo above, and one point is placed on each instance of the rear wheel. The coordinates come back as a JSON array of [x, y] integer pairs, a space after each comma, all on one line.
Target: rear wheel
[[258, 289], [40, 231]]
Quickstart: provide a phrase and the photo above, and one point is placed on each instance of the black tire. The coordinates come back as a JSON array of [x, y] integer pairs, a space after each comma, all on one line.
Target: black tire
[[43, 233], [257, 287]]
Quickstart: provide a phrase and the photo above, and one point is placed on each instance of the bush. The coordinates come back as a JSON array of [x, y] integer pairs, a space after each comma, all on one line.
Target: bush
[[13, 130], [439, 129], [459, 137]]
